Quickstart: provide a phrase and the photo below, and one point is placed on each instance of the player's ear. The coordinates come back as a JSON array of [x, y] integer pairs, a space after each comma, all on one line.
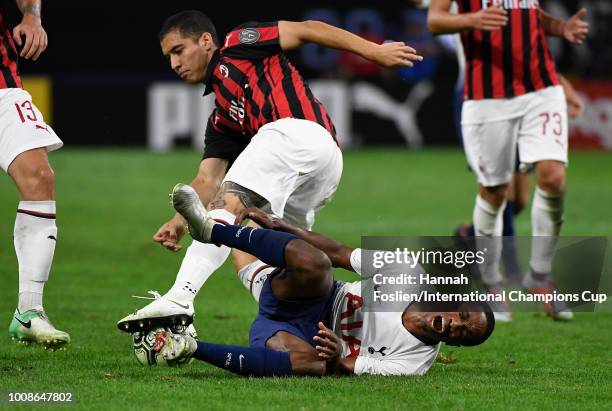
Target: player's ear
[[205, 40]]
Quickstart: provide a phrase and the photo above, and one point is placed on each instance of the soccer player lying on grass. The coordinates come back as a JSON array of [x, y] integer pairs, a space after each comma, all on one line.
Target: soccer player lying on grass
[[297, 294]]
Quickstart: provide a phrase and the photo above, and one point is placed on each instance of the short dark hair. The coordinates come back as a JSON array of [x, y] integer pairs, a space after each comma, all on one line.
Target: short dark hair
[[488, 331], [190, 23]]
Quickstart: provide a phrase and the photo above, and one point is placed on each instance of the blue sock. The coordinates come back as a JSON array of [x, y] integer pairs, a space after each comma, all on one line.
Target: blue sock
[[509, 219], [470, 231], [246, 361], [267, 245]]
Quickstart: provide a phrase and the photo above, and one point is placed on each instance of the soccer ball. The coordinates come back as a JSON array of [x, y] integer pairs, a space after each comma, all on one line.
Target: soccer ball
[[148, 345]]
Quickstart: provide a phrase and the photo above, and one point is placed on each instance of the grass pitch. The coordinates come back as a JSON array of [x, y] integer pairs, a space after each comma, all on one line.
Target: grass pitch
[[111, 202]]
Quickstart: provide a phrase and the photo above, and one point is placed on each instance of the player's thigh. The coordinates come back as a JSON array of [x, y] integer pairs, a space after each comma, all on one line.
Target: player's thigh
[[22, 129], [490, 149], [313, 192], [278, 158], [543, 133]]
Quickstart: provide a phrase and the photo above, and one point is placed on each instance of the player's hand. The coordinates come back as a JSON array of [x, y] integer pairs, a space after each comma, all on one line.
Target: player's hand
[[35, 37], [575, 105], [265, 220], [171, 233], [489, 19], [328, 343], [576, 29], [394, 54]]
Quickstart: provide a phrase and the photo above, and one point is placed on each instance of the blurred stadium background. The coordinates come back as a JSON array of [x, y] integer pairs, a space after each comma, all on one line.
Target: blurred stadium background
[[103, 81]]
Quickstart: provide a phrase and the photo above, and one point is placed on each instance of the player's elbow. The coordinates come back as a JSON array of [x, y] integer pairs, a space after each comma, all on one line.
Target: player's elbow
[[432, 23]]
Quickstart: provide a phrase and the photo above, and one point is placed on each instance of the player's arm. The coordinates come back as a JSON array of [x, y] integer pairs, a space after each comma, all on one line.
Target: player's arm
[[338, 253], [30, 27], [575, 105], [294, 34], [206, 184], [441, 21], [575, 29]]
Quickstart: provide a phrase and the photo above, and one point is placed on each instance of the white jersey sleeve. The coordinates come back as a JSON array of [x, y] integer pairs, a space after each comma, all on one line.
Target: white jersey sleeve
[[368, 365], [356, 260]]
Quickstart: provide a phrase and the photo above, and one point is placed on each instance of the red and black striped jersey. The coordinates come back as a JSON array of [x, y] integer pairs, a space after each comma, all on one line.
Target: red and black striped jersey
[[509, 62], [9, 69], [254, 84]]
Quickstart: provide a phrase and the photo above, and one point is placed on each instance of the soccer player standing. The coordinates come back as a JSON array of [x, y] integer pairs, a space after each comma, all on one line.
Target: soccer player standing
[[513, 97], [25, 140], [269, 142]]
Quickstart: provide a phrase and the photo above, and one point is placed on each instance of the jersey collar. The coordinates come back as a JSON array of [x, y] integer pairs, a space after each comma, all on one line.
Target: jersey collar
[[212, 66]]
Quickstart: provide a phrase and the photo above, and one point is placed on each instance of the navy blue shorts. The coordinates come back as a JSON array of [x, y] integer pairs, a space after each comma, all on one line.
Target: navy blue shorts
[[297, 317]]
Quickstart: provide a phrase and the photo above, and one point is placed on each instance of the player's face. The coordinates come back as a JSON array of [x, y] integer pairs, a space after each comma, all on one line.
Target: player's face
[[454, 328], [188, 57]]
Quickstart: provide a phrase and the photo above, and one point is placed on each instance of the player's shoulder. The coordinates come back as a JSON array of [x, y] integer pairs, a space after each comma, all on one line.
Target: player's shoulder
[[252, 33]]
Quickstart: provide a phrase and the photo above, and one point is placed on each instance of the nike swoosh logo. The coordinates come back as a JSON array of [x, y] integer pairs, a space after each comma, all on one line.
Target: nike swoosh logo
[[240, 358], [52, 238], [26, 325], [185, 306]]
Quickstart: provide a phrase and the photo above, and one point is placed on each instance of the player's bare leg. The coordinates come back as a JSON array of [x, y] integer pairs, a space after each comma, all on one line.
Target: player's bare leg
[[175, 308], [546, 221], [488, 226], [518, 197], [35, 237]]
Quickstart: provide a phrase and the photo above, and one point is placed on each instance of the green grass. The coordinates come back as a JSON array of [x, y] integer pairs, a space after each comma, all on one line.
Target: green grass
[[110, 204]]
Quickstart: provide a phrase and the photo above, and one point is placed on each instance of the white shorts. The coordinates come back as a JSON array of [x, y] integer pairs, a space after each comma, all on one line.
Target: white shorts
[[536, 123], [294, 164], [22, 127]]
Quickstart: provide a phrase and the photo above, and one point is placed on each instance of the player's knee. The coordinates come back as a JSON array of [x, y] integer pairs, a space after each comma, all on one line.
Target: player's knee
[[37, 182], [494, 195], [312, 264], [552, 181]]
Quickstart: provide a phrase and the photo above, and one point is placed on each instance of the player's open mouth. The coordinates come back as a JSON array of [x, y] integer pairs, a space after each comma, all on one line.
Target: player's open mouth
[[438, 323]]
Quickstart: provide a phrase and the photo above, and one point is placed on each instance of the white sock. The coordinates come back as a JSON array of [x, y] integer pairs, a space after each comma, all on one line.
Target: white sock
[[200, 261], [35, 236], [488, 227], [253, 277], [546, 222]]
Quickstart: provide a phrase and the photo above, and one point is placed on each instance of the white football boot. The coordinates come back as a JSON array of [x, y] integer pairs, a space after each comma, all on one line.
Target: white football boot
[[162, 312], [187, 203], [33, 326], [178, 347]]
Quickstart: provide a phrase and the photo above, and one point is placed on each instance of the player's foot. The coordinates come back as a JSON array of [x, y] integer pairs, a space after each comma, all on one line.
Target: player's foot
[[33, 326], [177, 347], [501, 309], [162, 312], [187, 203], [544, 284]]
